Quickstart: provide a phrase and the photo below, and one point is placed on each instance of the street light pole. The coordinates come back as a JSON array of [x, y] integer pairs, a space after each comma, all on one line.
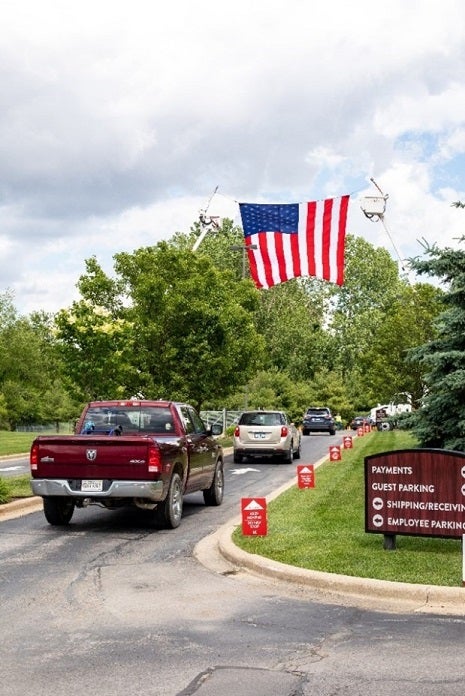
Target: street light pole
[[243, 248]]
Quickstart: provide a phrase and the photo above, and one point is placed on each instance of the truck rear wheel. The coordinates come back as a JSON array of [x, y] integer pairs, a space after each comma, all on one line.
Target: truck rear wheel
[[58, 511], [169, 512], [214, 494]]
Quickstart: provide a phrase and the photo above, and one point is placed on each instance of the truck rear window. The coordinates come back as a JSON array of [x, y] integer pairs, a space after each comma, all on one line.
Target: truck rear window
[[129, 421]]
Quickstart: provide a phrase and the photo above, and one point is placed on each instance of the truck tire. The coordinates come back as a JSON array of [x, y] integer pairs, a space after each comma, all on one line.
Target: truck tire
[[169, 511], [58, 511], [237, 458], [214, 494]]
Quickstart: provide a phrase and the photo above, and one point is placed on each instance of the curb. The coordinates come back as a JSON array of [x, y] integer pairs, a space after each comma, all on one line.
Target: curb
[[18, 508], [379, 595], [7, 457]]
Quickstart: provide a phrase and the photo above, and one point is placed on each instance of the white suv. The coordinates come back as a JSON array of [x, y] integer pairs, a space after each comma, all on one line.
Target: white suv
[[266, 434]]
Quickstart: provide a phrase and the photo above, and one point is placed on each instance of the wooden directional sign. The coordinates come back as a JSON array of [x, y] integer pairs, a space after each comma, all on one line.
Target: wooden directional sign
[[254, 522], [306, 476], [419, 492]]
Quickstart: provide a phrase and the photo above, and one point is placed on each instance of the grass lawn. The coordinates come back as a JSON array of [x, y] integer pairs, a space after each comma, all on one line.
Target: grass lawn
[[323, 528], [12, 442], [15, 486]]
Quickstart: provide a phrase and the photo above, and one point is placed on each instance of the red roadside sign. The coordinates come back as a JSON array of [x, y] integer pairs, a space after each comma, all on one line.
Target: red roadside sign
[[254, 522], [347, 442], [335, 453], [306, 476]]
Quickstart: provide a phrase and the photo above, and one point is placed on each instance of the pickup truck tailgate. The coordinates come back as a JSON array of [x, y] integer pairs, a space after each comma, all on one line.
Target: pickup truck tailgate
[[93, 457]]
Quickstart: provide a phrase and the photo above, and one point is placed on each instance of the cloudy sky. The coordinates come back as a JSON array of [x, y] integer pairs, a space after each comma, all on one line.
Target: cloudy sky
[[119, 119]]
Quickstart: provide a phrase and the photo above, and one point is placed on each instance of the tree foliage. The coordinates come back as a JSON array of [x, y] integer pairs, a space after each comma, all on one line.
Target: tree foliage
[[170, 322], [31, 374], [170, 325], [441, 420], [386, 372]]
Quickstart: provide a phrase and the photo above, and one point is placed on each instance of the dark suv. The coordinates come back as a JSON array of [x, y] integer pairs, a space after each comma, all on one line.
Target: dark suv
[[318, 419]]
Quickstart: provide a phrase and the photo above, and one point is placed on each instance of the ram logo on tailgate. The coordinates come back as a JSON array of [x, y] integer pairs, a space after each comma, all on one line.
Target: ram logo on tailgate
[[91, 455]]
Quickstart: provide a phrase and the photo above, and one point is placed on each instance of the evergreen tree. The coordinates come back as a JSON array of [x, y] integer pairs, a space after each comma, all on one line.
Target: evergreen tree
[[440, 422]]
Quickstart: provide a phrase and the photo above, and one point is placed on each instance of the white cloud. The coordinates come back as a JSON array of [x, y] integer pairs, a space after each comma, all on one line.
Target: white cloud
[[118, 120]]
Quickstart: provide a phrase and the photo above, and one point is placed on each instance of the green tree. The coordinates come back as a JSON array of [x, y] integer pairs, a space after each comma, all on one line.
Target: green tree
[[359, 307], [30, 366], [96, 346], [386, 372], [272, 389], [193, 322], [291, 319], [441, 420], [170, 324]]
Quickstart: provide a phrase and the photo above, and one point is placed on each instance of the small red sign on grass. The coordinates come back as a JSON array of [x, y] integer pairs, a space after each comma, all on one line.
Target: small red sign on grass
[[306, 476], [254, 522]]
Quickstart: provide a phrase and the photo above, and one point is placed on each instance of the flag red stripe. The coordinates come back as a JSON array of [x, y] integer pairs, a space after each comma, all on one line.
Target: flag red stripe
[[342, 238], [296, 267], [252, 263], [279, 247], [311, 214], [326, 238]]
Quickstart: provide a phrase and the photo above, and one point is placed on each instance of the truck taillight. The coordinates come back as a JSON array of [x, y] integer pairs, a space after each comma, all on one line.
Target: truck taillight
[[154, 463], [284, 431], [236, 431], [34, 457]]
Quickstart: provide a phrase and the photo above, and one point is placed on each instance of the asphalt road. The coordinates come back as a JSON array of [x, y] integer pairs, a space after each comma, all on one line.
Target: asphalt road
[[14, 466], [115, 606]]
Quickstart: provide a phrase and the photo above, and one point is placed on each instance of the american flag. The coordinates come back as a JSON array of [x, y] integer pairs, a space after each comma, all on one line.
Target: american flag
[[296, 239]]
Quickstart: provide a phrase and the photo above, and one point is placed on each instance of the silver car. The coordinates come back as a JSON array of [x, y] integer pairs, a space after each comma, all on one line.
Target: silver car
[[266, 434]]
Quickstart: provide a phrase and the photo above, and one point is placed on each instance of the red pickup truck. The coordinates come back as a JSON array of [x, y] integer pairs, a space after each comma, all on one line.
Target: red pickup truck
[[147, 454]]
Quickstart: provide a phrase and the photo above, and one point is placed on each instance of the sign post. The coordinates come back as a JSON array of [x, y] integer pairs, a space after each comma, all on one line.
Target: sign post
[[463, 560], [254, 521]]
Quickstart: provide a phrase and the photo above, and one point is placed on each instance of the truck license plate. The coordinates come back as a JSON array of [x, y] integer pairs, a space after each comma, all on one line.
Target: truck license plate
[[88, 486]]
